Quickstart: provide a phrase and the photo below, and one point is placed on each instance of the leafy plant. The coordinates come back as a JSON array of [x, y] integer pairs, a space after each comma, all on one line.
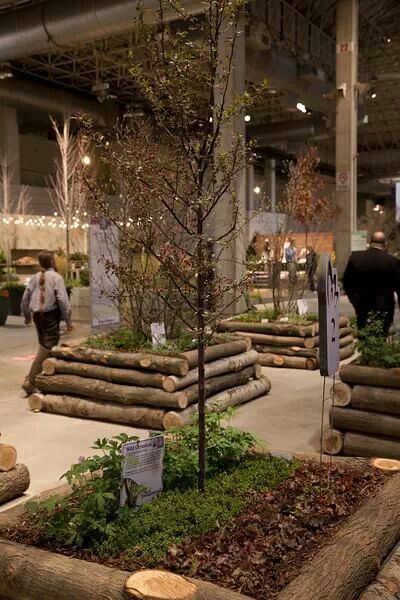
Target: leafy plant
[[375, 350], [84, 277], [272, 314], [14, 287]]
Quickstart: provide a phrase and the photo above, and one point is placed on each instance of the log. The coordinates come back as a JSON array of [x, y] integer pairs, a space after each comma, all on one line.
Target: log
[[144, 417], [292, 351], [347, 351], [370, 375], [218, 351], [279, 340], [387, 584], [29, 573], [346, 331], [219, 402], [273, 328], [341, 394], [287, 362], [376, 399], [162, 585], [224, 365], [127, 360], [332, 441], [8, 457], [346, 340], [52, 366], [214, 385], [348, 419], [97, 389], [12, 485], [342, 569], [361, 444]]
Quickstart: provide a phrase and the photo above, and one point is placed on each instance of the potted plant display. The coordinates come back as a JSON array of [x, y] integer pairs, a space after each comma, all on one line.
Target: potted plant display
[[4, 305], [16, 291]]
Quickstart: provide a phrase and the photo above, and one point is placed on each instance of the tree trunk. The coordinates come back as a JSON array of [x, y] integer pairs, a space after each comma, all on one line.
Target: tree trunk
[[8, 457], [370, 375], [27, 573], [214, 385], [285, 329], [162, 585], [223, 365], [127, 360], [283, 341], [217, 351], [357, 444], [110, 392], [52, 366], [332, 441], [12, 485], [287, 362], [376, 399], [341, 570], [219, 402], [347, 419], [342, 395], [293, 351], [144, 417]]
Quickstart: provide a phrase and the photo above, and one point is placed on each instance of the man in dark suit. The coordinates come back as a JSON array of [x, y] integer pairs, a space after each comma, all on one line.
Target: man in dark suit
[[370, 280]]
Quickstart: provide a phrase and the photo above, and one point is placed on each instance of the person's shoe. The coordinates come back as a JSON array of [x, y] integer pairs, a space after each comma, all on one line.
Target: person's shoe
[[29, 388]]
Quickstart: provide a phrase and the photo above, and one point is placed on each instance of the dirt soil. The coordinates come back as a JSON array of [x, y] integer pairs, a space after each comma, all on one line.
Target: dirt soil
[[263, 549]]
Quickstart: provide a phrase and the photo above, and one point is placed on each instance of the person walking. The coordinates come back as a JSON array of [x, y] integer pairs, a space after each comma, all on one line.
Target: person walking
[[370, 280], [46, 302], [291, 261], [311, 267]]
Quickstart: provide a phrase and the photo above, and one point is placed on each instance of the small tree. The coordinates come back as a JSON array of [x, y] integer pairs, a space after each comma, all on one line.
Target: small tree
[[67, 193], [304, 203], [185, 167]]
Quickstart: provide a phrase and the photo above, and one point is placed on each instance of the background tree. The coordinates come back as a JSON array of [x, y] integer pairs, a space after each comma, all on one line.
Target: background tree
[[167, 194], [67, 193]]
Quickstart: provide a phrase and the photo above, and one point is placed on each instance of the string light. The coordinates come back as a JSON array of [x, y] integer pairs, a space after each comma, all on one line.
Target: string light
[[247, 118]]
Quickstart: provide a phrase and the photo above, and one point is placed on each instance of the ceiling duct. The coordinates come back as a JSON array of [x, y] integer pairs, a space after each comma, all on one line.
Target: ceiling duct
[[380, 160], [60, 24], [16, 92], [286, 131]]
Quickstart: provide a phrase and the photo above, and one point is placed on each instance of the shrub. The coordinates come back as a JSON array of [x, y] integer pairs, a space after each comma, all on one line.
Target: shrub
[[375, 350]]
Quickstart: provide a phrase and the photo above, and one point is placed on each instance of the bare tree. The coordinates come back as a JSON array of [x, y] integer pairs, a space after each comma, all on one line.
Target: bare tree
[[67, 193]]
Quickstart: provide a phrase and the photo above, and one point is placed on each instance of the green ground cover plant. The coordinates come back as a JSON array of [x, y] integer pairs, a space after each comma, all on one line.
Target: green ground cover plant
[[90, 517], [271, 314]]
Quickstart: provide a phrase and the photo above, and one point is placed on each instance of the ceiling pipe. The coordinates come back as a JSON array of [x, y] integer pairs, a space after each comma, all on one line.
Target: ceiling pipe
[[56, 102], [380, 160], [287, 131], [61, 24]]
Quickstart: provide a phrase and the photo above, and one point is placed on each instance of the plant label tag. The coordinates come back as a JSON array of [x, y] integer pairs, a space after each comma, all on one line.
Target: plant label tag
[[158, 336], [142, 471], [328, 308], [302, 307]]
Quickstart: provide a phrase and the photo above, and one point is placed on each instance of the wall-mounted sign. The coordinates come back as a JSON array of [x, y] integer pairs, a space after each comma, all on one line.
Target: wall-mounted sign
[[359, 240], [342, 181], [328, 306]]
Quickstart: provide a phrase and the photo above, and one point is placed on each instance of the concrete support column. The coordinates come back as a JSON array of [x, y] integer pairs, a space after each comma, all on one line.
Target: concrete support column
[[9, 142], [232, 262], [346, 127], [251, 203], [270, 188]]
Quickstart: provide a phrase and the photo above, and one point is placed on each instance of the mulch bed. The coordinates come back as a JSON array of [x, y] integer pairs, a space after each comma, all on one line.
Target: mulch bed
[[265, 547]]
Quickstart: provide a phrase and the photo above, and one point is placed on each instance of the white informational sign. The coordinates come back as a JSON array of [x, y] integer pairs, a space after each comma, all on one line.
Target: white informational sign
[[103, 251], [342, 181], [142, 471], [158, 336], [397, 190], [328, 306], [359, 240], [302, 307]]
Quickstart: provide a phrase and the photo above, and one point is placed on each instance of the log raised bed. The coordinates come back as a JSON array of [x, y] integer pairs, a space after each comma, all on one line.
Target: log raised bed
[[288, 345], [140, 389], [365, 413]]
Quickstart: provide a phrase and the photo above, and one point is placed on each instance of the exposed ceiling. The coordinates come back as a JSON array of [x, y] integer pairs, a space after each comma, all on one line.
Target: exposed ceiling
[[301, 30]]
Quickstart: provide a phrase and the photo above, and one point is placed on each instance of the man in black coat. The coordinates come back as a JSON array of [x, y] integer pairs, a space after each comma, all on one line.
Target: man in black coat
[[370, 280]]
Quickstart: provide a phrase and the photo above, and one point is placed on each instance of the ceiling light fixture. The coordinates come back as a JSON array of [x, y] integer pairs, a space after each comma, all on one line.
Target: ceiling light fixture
[[6, 71], [247, 118], [301, 107], [257, 189], [373, 95]]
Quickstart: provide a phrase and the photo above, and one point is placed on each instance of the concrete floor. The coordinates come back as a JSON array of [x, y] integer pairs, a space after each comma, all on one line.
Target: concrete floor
[[288, 421]]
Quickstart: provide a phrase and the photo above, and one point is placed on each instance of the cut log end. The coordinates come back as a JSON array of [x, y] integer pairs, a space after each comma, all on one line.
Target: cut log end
[[49, 366], [341, 394], [35, 402], [332, 442], [8, 457], [159, 585]]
